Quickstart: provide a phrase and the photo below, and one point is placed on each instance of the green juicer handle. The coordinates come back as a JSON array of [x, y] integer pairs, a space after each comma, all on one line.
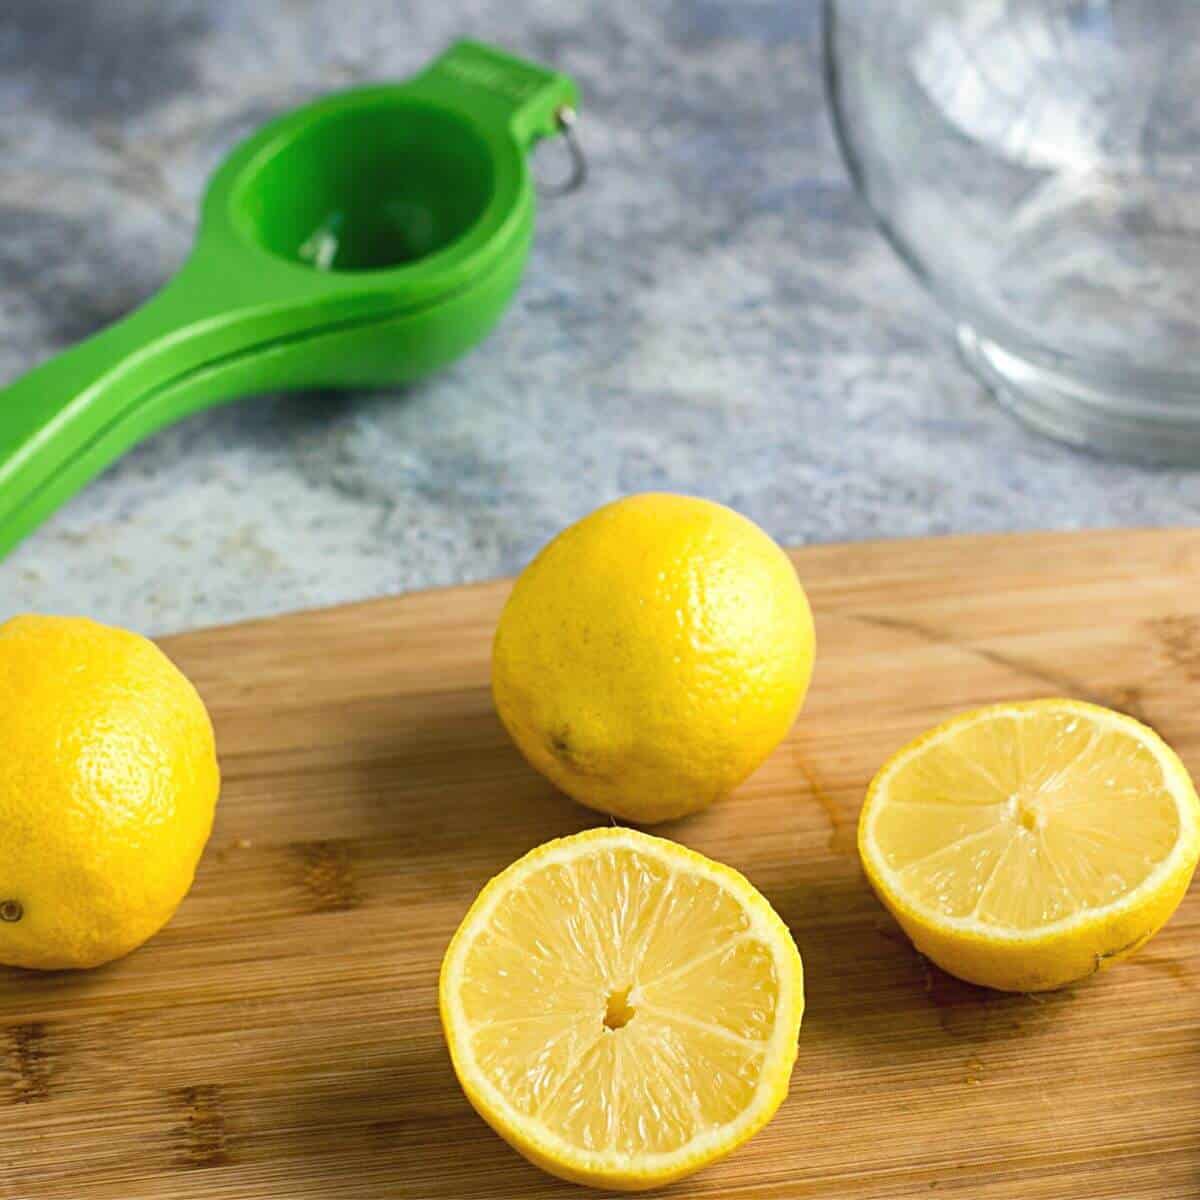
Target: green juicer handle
[[223, 326]]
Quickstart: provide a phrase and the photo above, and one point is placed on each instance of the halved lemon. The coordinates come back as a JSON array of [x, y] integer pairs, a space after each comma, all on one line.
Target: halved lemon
[[622, 1010], [1026, 846]]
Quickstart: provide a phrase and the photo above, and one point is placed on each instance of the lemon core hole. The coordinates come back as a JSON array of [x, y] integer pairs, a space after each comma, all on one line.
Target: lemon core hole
[[617, 1011]]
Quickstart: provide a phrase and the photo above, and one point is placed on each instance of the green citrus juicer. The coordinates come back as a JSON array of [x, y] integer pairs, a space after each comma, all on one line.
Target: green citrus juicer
[[363, 240]]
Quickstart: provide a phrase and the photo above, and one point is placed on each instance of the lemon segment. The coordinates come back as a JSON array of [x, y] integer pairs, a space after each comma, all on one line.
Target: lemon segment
[[1026, 846], [622, 1010]]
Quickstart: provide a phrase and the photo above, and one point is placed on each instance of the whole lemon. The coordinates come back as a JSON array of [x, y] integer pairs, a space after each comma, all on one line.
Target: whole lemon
[[108, 781], [652, 655]]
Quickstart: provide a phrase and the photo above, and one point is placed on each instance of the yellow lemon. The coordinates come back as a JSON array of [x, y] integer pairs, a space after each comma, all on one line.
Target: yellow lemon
[[622, 1010], [652, 655], [1027, 846], [108, 780]]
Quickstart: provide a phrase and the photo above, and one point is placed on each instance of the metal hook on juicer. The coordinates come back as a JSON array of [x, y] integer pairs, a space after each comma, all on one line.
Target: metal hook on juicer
[[566, 118]]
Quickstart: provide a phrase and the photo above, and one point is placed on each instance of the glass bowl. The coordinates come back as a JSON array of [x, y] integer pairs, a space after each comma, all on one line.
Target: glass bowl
[[1037, 164]]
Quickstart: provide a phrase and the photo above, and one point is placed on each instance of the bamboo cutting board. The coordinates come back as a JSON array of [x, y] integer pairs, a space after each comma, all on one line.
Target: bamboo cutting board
[[280, 1037]]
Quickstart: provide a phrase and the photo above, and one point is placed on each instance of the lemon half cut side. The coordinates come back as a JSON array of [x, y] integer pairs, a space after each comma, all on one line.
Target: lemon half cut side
[[622, 1010], [1026, 846]]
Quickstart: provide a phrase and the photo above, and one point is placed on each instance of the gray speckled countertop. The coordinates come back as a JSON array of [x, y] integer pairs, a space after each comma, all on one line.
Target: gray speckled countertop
[[714, 313]]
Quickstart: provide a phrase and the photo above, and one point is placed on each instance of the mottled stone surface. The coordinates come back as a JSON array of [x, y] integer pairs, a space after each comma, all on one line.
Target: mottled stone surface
[[714, 313]]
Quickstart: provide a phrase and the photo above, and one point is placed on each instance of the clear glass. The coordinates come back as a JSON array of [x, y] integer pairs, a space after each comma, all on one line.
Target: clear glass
[[1037, 163]]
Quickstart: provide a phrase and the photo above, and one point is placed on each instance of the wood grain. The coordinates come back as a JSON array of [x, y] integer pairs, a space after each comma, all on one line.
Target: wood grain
[[280, 1037]]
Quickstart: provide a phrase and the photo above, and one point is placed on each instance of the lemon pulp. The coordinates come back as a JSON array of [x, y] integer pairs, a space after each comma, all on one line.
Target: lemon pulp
[[625, 1010], [1027, 822]]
